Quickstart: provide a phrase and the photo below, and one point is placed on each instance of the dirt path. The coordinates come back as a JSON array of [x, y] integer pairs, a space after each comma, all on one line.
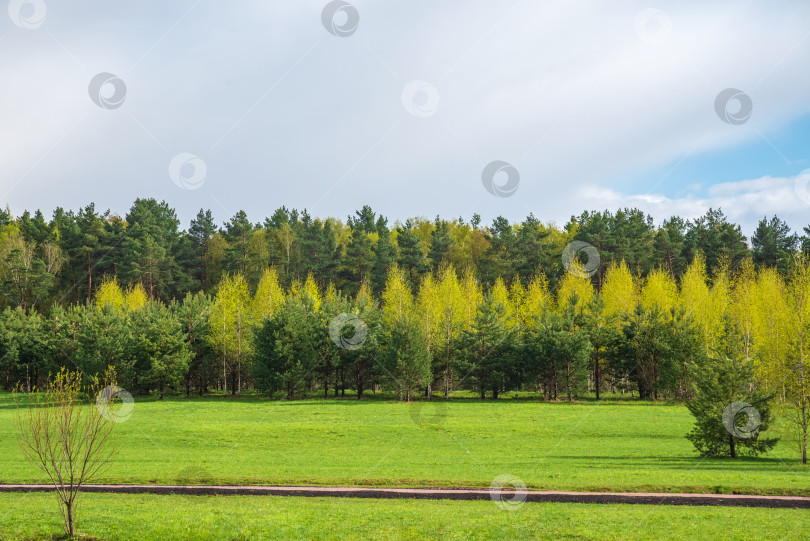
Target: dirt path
[[735, 500]]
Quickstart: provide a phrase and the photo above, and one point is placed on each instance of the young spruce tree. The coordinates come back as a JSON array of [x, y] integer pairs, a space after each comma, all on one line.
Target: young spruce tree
[[731, 412]]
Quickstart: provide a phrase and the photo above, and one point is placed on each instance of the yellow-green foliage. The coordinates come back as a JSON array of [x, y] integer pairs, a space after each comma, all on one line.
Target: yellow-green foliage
[[231, 316], [743, 306], [429, 310], [659, 290], [472, 295], [269, 296], [135, 297], [109, 294], [311, 290], [538, 298], [516, 309], [619, 291], [695, 295], [397, 300], [772, 327], [576, 283], [451, 305], [500, 295], [717, 306]]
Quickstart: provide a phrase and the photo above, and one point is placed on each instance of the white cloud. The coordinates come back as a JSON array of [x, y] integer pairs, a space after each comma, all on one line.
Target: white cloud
[[744, 202], [566, 92]]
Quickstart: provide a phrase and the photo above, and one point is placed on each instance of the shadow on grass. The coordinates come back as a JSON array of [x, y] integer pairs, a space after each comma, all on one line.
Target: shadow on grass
[[466, 397], [696, 463]]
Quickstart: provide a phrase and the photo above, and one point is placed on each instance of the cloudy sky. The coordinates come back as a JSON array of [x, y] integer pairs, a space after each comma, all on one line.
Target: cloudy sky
[[402, 105]]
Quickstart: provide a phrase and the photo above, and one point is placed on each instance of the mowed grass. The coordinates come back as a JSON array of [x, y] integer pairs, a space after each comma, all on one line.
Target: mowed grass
[[609, 445], [107, 516]]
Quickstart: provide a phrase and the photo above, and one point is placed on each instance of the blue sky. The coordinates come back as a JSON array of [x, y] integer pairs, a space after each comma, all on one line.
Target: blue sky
[[596, 105]]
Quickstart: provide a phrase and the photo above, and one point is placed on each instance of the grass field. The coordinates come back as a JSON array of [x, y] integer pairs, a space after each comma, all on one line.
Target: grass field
[[257, 517], [609, 445]]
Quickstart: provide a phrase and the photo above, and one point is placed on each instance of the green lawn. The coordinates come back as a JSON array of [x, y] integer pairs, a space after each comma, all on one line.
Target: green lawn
[[619, 445], [108, 516]]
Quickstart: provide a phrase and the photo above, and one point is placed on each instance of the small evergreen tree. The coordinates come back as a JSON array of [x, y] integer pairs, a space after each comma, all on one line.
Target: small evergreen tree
[[406, 357], [731, 412], [485, 353]]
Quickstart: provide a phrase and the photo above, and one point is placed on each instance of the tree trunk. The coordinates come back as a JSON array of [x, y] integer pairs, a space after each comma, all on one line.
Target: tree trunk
[[598, 378], [239, 355], [568, 380], [731, 443], [69, 518], [89, 280]]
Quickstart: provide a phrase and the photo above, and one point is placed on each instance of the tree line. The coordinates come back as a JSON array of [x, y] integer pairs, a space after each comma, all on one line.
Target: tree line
[[62, 261]]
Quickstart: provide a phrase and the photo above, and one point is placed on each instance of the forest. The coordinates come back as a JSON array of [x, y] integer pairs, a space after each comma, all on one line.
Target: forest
[[295, 305]]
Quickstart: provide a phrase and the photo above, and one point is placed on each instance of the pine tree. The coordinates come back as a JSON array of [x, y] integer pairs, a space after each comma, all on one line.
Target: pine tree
[[603, 334], [201, 230], [731, 412], [773, 243], [411, 258], [384, 256], [440, 244], [404, 354], [485, 353]]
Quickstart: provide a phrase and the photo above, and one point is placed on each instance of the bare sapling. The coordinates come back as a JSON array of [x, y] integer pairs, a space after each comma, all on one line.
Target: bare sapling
[[65, 430]]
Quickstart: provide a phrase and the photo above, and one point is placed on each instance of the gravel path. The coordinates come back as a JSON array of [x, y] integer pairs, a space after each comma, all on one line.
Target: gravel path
[[646, 498]]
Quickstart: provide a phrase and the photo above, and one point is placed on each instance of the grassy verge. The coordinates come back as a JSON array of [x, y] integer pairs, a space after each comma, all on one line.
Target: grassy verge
[[35, 516]]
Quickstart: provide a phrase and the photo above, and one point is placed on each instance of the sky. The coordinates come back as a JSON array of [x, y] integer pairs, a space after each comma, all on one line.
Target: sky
[[417, 108]]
